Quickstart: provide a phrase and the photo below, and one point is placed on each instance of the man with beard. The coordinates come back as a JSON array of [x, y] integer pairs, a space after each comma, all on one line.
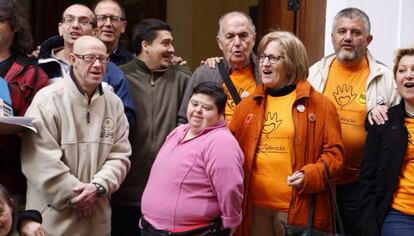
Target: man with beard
[[236, 37], [78, 20], [158, 88], [358, 85]]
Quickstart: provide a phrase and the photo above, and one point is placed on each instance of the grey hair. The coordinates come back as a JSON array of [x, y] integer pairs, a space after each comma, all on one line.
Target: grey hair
[[233, 13], [350, 13]]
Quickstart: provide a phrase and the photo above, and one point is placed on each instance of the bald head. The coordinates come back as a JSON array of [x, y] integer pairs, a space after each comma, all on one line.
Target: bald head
[[89, 59], [87, 43]]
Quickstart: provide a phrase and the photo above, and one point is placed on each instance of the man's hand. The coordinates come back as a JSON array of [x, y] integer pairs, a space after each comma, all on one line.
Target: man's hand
[[176, 60], [296, 180], [85, 201], [31, 228], [378, 115], [212, 61], [35, 53]]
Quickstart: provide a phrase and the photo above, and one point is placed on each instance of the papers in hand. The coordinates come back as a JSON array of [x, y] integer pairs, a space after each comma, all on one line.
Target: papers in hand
[[10, 124], [15, 124]]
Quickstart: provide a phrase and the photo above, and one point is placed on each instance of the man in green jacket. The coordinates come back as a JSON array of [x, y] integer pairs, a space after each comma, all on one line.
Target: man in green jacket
[[158, 88]]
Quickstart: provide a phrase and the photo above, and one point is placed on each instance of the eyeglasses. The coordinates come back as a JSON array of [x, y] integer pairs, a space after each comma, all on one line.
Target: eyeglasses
[[112, 19], [3, 19], [272, 59], [90, 58], [83, 21]]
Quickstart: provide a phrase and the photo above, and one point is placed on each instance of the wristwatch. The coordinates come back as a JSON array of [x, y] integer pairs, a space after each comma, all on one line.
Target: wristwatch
[[100, 190]]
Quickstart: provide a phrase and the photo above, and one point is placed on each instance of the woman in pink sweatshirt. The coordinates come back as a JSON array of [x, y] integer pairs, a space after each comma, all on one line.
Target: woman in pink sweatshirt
[[196, 182]]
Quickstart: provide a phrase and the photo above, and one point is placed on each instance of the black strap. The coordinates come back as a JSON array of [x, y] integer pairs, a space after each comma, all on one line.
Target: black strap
[[339, 227], [311, 211], [229, 84], [337, 220]]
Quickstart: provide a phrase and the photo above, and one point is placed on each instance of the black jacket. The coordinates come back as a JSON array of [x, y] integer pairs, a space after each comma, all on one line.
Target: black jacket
[[384, 153]]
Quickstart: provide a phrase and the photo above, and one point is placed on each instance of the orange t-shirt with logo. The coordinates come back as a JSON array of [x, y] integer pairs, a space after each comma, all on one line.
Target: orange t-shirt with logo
[[346, 88], [273, 162], [404, 193], [245, 84]]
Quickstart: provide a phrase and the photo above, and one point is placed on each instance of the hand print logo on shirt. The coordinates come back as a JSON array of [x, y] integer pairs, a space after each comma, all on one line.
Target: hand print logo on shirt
[[410, 136], [344, 95], [271, 123]]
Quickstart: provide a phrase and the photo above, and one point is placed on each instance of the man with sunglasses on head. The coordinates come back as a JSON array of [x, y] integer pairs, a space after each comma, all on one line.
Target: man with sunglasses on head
[[80, 154], [79, 20], [111, 24]]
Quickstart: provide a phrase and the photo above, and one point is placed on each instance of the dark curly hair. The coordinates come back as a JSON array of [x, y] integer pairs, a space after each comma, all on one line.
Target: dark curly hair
[[13, 11]]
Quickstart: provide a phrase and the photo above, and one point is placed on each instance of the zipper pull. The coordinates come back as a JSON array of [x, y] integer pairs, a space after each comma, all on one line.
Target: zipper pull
[[88, 117], [152, 82]]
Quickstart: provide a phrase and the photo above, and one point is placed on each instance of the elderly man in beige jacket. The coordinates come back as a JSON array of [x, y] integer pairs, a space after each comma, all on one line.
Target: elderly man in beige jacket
[[80, 154]]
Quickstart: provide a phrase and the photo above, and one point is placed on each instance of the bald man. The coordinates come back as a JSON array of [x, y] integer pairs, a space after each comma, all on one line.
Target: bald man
[[80, 154]]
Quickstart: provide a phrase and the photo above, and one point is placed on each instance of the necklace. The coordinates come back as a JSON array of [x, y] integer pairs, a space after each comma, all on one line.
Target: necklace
[[410, 115]]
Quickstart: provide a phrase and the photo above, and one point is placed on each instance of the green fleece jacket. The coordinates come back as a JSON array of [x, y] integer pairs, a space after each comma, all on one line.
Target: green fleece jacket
[[157, 97]]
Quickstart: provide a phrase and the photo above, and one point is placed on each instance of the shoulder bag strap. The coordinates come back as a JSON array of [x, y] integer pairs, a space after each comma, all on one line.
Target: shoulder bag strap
[[311, 213], [340, 227], [229, 84]]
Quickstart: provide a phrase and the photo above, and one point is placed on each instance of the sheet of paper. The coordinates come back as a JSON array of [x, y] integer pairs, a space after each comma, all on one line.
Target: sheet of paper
[[15, 124]]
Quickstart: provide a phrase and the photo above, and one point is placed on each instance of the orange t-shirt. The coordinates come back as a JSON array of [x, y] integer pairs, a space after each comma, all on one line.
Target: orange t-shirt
[[346, 88], [245, 84], [404, 193], [273, 162]]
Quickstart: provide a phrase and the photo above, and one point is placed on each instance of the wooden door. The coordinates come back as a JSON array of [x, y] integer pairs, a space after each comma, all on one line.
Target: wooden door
[[306, 19]]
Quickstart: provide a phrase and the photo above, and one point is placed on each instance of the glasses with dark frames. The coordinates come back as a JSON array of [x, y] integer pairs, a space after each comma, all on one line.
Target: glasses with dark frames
[[90, 58]]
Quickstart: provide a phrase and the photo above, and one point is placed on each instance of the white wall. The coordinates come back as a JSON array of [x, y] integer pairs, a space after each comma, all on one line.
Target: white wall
[[391, 25]]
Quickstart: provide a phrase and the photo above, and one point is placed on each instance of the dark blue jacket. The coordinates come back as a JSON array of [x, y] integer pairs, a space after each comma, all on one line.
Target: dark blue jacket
[[113, 75], [120, 56]]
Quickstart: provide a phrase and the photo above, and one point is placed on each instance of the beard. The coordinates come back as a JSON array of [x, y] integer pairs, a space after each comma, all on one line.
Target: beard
[[347, 55]]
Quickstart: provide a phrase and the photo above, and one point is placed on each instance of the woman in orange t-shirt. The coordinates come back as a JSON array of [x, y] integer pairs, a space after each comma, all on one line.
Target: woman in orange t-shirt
[[387, 170], [288, 132]]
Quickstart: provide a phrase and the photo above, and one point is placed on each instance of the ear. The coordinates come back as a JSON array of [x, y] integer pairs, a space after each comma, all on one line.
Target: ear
[[72, 59], [124, 25], [10, 202], [254, 38], [95, 32], [219, 42], [60, 29], [144, 45], [369, 39]]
